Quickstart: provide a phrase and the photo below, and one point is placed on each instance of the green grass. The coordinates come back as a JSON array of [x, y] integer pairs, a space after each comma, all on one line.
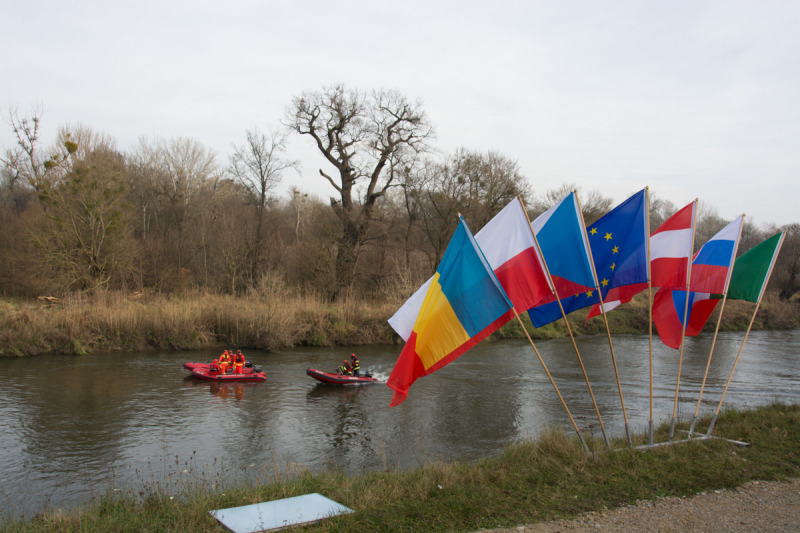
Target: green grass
[[552, 477]]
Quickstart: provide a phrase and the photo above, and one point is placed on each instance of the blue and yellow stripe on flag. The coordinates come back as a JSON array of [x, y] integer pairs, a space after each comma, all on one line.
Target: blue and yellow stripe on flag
[[464, 304]]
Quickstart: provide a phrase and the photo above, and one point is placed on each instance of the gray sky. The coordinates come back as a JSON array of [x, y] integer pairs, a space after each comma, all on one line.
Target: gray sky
[[691, 98]]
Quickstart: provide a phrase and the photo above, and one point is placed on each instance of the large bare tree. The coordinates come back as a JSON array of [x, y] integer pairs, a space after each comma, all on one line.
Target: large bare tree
[[365, 138]]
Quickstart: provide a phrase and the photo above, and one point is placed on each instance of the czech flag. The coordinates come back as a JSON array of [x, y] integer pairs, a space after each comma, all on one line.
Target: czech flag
[[562, 240], [463, 305]]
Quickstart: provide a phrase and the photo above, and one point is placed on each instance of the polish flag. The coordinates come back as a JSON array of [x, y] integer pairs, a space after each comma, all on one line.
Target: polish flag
[[507, 243]]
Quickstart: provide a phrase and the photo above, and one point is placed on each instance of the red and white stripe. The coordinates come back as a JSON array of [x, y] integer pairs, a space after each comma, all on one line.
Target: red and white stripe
[[671, 248]]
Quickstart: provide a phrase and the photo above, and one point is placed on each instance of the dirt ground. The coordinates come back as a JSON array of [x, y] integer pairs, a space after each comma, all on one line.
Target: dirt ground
[[756, 506]]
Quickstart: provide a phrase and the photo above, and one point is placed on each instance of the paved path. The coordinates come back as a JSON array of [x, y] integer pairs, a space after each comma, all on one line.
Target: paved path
[[756, 506]]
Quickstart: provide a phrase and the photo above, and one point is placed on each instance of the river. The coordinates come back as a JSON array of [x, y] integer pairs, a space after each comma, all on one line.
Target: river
[[75, 428]]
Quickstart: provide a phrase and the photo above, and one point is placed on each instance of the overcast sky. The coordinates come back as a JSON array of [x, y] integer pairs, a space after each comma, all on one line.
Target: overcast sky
[[691, 98]]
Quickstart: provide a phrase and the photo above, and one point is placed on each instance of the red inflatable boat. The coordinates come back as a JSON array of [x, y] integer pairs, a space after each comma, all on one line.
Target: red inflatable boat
[[339, 379], [211, 373]]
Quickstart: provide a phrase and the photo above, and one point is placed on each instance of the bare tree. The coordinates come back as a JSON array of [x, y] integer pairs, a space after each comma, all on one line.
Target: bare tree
[[593, 204], [787, 268], [26, 162], [181, 173], [364, 138], [258, 166]]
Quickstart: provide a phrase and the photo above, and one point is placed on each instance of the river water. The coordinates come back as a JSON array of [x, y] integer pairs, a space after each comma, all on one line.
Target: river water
[[75, 428]]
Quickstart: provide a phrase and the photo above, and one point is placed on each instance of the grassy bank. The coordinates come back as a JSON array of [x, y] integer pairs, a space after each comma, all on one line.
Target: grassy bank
[[273, 319], [530, 482]]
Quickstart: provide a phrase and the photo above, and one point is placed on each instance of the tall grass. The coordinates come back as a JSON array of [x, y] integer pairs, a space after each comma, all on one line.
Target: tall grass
[[272, 317], [529, 482]]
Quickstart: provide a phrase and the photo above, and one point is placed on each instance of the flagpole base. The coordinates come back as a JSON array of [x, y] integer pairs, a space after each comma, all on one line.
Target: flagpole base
[[691, 427], [650, 432], [711, 425], [671, 428]]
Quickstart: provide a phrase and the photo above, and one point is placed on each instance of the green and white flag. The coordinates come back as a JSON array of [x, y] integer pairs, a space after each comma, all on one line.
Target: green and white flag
[[752, 269]]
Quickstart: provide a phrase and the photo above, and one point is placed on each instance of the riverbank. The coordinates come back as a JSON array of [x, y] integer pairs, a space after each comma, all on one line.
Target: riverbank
[[529, 483], [274, 319]]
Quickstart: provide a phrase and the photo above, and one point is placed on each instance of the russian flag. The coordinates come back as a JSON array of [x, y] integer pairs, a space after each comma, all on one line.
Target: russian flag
[[712, 263], [670, 249], [710, 274], [668, 308], [463, 305], [508, 244]]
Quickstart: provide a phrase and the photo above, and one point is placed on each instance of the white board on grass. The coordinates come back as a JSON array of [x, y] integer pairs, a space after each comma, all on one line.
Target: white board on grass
[[278, 514]]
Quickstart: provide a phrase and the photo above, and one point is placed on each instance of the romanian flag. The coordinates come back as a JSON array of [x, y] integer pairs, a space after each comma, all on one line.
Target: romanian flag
[[508, 245], [463, 305]]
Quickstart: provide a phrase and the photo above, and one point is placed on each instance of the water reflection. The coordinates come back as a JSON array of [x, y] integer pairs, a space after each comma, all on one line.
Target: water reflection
[[73, 426], [234, 391]]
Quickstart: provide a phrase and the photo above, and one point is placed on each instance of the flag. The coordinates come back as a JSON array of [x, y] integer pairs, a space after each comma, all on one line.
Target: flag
[[620, 258], [508, 244], [711, 264], [463, 305], [564, 246], [751, 270], [710, 268], [668, 309], [566, 252], [670, 249]]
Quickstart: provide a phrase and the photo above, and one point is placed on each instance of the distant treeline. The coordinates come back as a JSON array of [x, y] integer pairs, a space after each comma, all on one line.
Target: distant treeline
[[169, 218]]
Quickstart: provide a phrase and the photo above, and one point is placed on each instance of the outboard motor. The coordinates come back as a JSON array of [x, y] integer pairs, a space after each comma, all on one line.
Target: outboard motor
[[257, 368], [368, 373]]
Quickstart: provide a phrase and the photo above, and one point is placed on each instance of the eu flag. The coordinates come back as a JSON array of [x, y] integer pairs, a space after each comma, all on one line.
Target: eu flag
[[619, 252]]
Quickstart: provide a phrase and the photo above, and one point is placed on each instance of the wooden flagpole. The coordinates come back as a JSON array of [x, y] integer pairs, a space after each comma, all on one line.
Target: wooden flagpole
[[574, 425], [716, 330], [650, 310], [683, 328], [747, 333], [735, 362], [605, 319], [569, 329]]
